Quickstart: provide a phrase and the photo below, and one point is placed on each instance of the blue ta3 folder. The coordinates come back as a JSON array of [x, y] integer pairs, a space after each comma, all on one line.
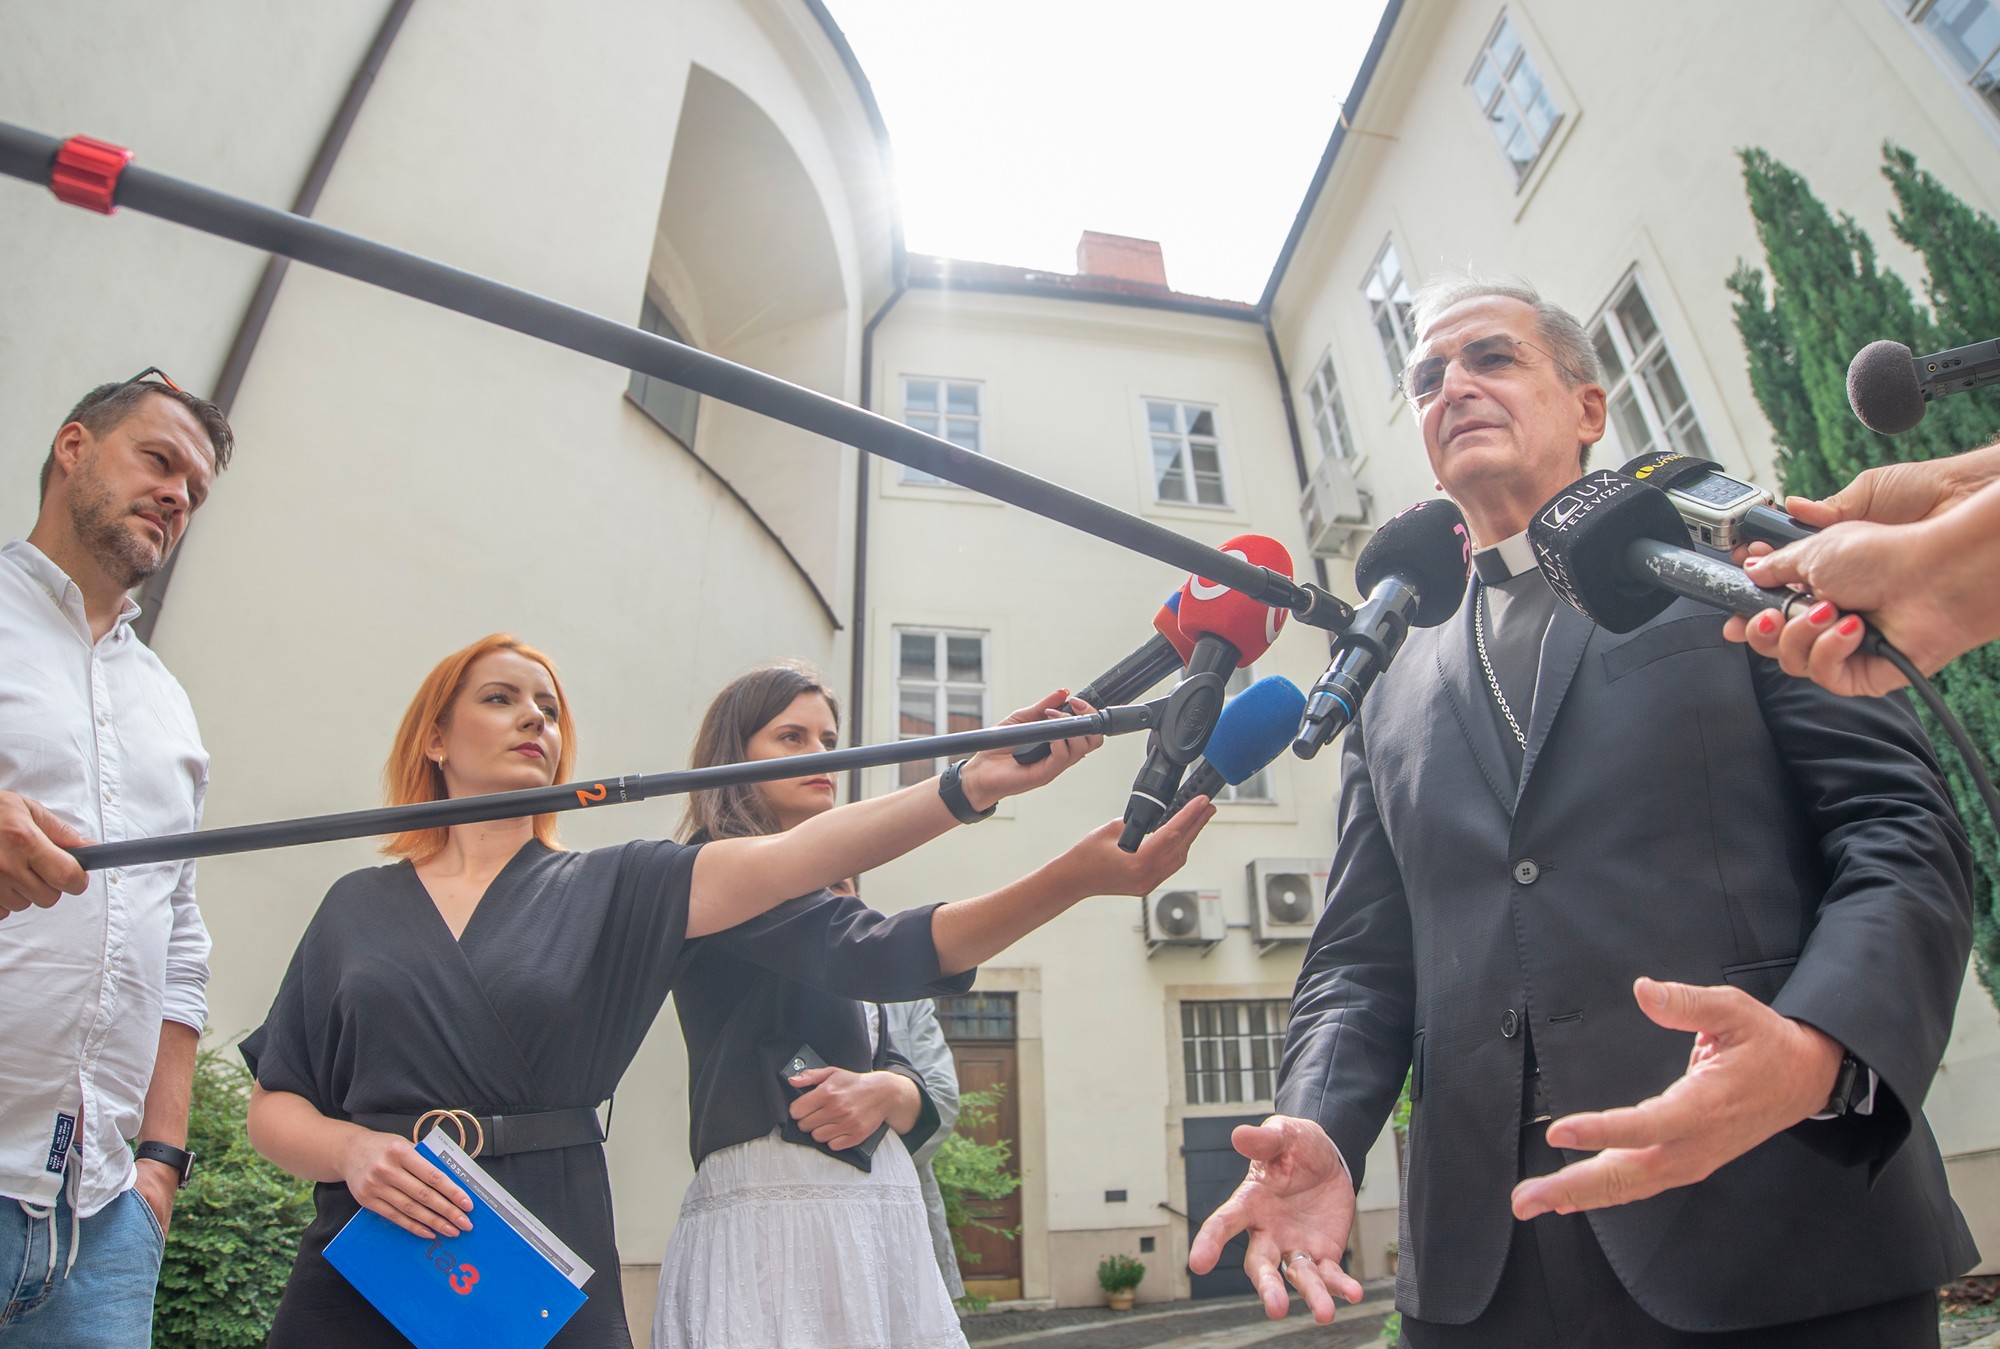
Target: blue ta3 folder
[[506, 1284]]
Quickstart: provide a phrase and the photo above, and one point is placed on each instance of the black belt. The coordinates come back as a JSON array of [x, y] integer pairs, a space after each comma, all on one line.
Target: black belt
[[498, 1135]]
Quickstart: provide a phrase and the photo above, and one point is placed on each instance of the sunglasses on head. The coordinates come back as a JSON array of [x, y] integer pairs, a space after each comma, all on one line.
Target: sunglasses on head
[[152, 374], [1481, 356]]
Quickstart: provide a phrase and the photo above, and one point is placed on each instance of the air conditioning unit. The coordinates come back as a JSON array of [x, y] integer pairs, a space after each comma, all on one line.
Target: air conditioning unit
[[1183, 918], [1335, 510], [1286, 895]]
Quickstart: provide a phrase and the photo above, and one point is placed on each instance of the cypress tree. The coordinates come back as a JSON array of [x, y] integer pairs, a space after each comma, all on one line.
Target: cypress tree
[[1830, 297]]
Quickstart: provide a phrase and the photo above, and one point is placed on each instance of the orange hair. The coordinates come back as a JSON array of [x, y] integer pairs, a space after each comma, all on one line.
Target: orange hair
[[411, 777]]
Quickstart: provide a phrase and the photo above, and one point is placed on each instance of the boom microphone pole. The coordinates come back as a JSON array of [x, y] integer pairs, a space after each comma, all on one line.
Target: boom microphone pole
[[100, 177], [602, 792]]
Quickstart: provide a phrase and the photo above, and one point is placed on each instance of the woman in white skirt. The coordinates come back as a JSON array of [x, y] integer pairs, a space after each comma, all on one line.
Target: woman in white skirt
[[805, 1227]]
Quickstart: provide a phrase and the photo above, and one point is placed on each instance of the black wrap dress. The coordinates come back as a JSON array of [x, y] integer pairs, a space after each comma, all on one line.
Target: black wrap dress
[[539, 1005]]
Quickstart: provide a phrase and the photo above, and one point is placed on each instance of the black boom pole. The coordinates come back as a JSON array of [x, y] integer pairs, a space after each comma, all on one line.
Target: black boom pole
[[602, 792], [99, 176]]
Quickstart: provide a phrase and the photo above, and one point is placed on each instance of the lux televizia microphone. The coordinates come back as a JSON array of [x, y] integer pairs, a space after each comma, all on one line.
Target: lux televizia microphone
[[1156, 658], [1890, 390], [1253, 729], [1413, 571], [1229, 629], [1720, 511]]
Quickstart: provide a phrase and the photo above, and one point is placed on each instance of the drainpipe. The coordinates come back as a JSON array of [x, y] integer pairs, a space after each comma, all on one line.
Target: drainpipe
[[237, 362], [1292, 428], [857, 673]]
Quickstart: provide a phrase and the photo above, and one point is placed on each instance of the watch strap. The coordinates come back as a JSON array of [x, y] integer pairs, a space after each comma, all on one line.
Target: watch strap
[[953, 792], [180, 1159], [1850, 1087]]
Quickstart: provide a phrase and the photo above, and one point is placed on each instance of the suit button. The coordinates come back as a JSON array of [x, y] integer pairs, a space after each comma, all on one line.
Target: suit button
[[1526, 871], [1510, 1023]]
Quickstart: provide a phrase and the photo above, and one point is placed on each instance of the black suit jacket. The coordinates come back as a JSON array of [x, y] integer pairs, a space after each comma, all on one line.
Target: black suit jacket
[[1685, 811]]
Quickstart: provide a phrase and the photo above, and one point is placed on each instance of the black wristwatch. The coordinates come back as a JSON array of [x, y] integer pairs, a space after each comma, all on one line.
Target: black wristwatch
[[180, 1159], [1850, 1087], [953, 792]]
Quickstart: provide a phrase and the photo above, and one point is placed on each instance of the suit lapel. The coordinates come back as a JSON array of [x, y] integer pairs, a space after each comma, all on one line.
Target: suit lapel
[[1562, 651], [1466, 693]]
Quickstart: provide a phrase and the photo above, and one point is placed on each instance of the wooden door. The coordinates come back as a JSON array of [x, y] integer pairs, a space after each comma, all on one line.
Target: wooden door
[[980, 1028]]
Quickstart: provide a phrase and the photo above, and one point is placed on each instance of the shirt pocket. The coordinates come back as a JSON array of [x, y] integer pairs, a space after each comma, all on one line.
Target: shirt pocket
[[1761, 979]]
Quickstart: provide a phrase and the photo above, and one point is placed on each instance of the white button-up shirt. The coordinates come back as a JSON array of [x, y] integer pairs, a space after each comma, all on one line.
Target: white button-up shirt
[[102, 735]]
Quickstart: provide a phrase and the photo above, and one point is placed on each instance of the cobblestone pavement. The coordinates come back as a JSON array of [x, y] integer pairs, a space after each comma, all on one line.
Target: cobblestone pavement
[[1220, 1323], [1963, 1332]]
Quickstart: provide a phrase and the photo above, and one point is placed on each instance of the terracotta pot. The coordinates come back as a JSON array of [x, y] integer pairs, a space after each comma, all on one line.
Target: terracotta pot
[[1122, 1300]]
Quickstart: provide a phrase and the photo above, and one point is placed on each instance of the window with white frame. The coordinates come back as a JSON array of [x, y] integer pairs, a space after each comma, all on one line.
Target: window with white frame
[[1230, 1050], [1967, 34], [940, 687], [1650, 407], [1256, 787], [1329, 413], [672, 406], [1390, 309], [942, 407], [1517, 105], [1187, 455]]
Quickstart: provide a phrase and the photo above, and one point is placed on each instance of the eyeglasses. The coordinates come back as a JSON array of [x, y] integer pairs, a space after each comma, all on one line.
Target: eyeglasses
[[154, 374], [1481, 356]]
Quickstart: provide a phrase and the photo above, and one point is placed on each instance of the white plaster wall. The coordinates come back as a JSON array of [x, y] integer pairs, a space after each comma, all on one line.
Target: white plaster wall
[[1063, 385], [407, 479], [1658, 99]]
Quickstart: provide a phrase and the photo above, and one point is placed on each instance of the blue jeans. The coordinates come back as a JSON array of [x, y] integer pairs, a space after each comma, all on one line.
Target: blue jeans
[[104, 1301]]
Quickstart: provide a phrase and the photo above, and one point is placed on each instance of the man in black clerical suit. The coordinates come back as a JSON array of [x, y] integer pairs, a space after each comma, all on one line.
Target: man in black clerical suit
[[1561, 851]]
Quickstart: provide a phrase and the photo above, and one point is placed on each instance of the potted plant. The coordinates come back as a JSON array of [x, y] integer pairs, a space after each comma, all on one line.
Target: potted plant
[[1118, 1276]]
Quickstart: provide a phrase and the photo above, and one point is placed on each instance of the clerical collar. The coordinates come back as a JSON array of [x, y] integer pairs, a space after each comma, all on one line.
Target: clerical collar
[[1505, 560]]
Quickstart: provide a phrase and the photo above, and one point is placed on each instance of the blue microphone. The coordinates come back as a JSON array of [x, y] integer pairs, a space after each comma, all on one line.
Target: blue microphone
[[1252, 729]]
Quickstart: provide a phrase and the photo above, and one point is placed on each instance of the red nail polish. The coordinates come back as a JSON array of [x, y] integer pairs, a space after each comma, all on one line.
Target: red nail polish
[[1767, 624], [1849, 625], [1820, 613]]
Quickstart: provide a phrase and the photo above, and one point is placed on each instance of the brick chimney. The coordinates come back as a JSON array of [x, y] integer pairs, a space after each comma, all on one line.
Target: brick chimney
[[1122, 257]]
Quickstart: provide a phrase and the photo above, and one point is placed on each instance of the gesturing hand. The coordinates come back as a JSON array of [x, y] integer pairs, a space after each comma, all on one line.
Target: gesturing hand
[[34, 869], [1296, 1199], [844, 1108], [387, 1175], [1106, 869], [1752, 1074]]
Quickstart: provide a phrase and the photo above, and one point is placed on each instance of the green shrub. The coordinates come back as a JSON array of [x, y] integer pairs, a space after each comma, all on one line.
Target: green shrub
[[1116, 1273], [969, 1171], [236, 1226]]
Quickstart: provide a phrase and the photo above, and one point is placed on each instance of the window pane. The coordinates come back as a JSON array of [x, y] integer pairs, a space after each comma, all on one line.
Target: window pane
[[1201, 422], [1485, 79], [964, 710], [1160, 417], [916, 655], [1607, 354], [1207, 463], [1987, 82], [962, 399], [962, 433], [1968, 30], [1526, 84], [921, 770], [1317, 398], [962, 660], [916, 713], [1505, 43], [1391, 268], [1686, 437], [1633, 433], [1328, 443], [920, 395], [1208, 490], [921, 421], [1663, 382], [1637, 319], [1506, 123], [1167, 484]]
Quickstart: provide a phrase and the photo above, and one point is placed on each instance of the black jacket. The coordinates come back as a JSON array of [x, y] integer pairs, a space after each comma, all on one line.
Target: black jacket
[[750, 996], [1685, 811]]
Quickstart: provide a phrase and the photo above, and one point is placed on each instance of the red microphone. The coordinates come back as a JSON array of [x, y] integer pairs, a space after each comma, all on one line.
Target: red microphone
[[1167, 623], [1229, 630]]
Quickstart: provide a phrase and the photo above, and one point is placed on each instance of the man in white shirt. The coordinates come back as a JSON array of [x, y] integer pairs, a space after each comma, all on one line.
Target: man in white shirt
[[101, 974]]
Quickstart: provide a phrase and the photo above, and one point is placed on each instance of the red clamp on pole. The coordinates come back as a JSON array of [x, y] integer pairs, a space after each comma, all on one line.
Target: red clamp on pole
[[86, 173]]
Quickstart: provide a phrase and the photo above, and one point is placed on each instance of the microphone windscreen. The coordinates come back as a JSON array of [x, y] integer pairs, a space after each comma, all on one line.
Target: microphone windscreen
[[1248, 625], [1428, 546], [1167, 623], [1254, 727], [1883, 388], [1581, 536], [1664, 469]]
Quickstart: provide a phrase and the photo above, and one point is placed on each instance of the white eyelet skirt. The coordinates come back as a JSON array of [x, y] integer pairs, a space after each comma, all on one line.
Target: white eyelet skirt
[[781, 1247]]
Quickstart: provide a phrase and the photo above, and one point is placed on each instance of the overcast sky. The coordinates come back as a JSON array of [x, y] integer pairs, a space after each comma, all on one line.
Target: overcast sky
[[1018, 124]]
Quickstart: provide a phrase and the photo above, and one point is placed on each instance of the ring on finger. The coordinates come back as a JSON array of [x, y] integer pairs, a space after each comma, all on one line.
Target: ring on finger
[[1292, 1261]]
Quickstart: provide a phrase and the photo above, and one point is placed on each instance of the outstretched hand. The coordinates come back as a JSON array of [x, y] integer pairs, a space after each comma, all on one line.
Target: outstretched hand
[[1106, 869], [1297, 1201], [993, 774], [1752, 1074]]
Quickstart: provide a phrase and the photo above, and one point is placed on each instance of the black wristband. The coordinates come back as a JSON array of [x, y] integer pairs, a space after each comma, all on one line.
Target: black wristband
[[953, 792], [1850, 1087], [180, 1159]]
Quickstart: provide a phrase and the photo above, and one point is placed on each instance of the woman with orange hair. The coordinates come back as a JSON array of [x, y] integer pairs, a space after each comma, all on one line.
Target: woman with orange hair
[[489, 974]]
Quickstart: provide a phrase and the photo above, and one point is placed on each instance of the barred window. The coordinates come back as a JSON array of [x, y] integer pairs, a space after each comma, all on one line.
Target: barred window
[[977, 1016], [1231, 1049]]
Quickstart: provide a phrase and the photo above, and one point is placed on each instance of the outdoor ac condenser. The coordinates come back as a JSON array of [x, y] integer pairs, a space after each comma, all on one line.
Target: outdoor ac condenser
[[1286, 894], [1184, 918]]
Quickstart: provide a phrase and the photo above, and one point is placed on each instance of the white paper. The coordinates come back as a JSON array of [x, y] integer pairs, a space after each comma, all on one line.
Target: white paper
[[494, 1195]]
